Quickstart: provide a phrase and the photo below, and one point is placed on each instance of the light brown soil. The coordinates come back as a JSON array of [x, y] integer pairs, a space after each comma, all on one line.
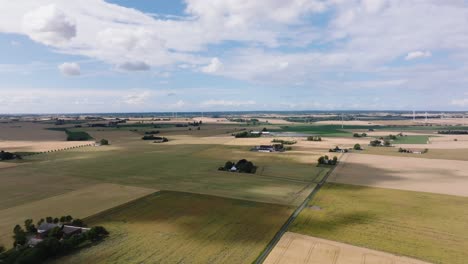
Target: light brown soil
[[414, 174], [297, 248]]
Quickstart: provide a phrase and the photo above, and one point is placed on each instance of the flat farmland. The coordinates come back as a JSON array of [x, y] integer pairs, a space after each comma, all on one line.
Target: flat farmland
[[189, 168], [296, 248], [40, 146], [28, 131], [173, 227], [448, 154], [415, 174], [80, 203], [425, 226]]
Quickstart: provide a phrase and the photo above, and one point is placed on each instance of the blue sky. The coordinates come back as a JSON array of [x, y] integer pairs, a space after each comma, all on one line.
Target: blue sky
[[199, 55]]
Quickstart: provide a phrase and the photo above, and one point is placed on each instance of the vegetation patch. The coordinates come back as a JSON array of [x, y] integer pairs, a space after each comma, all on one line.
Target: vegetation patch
[[242, 166], [284, 142], [50, 238], [434, 226], [325, 160], [4, 155]]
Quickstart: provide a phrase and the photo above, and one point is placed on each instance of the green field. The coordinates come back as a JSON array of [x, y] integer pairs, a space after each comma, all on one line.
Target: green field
[[320, 130], [430, 227], [173, 227], [189, 168], [411, 140]]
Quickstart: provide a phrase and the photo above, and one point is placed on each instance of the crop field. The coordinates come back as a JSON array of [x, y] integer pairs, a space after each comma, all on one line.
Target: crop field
[[430, 227], [173, 227], [80, 203], [419, 139], [297, 248], [415, 174], [448, 154], [28, 131], [191, 168]]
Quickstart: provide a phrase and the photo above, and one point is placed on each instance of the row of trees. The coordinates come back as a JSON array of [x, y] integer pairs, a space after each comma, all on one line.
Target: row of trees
[[453, 132], [246, 134], [284, 142]]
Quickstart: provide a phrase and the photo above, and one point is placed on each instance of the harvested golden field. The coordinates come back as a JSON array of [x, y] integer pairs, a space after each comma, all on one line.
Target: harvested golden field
[[415, 174], [80, 203], [29, 131], [301, 249], [173, 227], [41, 146], [426, 226]]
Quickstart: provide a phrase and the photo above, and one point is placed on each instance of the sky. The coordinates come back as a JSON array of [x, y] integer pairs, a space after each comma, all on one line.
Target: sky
[[88, 56]]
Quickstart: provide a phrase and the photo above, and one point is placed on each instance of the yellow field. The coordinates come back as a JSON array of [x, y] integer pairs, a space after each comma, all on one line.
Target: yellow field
[[301, 249], [80, 203], [415, 174], [173, 227]]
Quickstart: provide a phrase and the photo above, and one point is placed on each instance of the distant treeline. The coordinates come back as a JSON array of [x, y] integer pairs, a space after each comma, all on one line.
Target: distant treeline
[[453, 132]]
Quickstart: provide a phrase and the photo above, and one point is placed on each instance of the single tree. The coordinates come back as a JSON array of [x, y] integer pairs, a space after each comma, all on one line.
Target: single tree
[[357, 147]]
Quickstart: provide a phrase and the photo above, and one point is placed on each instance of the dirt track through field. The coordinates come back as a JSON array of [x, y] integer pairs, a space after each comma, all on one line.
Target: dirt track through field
[[413, 174], [296, 248]]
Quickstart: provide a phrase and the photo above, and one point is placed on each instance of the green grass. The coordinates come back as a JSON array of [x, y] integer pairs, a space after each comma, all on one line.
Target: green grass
[[430, 227], [411, 140], [320, 130], [172, 227], [73, 134]]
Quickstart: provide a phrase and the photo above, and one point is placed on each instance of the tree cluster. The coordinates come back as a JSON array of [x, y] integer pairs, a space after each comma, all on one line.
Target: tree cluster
[[314, 138], [324, 160], [378, 143], [8, 155], [53, 245], [357, 135], [242, 166], [153, 137], [104, 142], [453, 132], [246, 134]]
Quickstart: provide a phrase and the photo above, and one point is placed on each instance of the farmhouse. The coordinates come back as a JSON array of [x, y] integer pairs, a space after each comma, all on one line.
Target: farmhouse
[[268, 148], [65, 231]]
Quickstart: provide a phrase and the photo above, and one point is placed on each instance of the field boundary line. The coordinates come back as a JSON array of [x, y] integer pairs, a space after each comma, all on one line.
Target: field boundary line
[[293, 217]]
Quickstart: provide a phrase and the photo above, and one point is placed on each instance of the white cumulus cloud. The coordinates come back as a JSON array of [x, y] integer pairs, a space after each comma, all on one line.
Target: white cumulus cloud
[[49, 25], [417, 55], [70, 69], [227, 103], [214, 66]]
